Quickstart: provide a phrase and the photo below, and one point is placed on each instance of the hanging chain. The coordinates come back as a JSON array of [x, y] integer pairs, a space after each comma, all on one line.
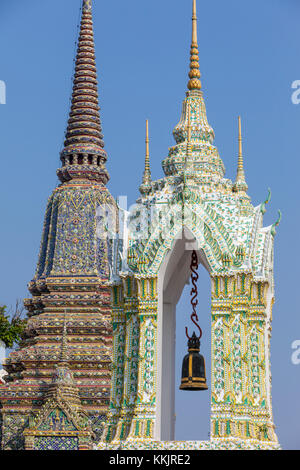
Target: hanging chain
[[194, 293]]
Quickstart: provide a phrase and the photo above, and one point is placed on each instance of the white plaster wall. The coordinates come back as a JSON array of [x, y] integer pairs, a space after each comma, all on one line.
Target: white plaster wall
[[173, 275]]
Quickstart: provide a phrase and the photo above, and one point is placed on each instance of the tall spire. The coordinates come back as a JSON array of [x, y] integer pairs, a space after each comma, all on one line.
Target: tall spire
[[83, 155], [194, 74], [240, 184], [145, 187], [193, 134]]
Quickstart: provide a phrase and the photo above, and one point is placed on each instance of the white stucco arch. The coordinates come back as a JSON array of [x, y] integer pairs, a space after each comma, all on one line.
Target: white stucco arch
[[174, 274]]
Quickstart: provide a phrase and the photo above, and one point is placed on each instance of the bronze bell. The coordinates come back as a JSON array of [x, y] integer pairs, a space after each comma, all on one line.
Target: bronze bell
[[193, 375]]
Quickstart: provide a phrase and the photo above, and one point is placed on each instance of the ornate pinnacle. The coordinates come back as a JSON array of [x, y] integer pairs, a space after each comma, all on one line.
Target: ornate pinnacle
[[240, 184], [240, 171], [63, 376], [83, 155], [193, 130], [194, 74], [145, 187], [147, 173]]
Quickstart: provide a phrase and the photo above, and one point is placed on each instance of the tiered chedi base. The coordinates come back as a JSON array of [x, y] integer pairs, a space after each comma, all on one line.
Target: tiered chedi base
[[69, 288]]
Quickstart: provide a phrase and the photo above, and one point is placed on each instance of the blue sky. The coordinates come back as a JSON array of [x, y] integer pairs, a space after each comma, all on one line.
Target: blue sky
[[249, 57]]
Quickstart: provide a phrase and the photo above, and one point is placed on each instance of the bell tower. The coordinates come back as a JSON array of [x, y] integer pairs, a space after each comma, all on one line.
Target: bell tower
[[193, 207]]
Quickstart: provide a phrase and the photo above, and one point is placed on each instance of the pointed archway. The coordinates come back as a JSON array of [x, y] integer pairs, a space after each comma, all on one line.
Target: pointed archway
[[173, 275]]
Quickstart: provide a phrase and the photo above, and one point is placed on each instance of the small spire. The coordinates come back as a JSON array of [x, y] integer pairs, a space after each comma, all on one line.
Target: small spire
[[63, 375], [240, 163], [240, 170], [194, 74], [240, 184], [194, 23], [147, 173], [145, 188]]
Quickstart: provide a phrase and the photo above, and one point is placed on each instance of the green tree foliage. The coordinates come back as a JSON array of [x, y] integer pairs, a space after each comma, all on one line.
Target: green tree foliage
[[12, 325]]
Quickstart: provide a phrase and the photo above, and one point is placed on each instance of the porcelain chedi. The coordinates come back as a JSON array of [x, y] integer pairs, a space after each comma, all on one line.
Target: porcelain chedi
[[70, 285], [193, 207]]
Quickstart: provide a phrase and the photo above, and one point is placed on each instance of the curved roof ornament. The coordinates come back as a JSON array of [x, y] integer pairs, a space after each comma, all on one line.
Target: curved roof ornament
[[273, 228], [263, 209]]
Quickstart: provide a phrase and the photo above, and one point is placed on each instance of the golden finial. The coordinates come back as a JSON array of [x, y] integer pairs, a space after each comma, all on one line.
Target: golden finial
[[147, 173], [240, 183], [194, 22], [240, 172], [194, 74], [145, 188]]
